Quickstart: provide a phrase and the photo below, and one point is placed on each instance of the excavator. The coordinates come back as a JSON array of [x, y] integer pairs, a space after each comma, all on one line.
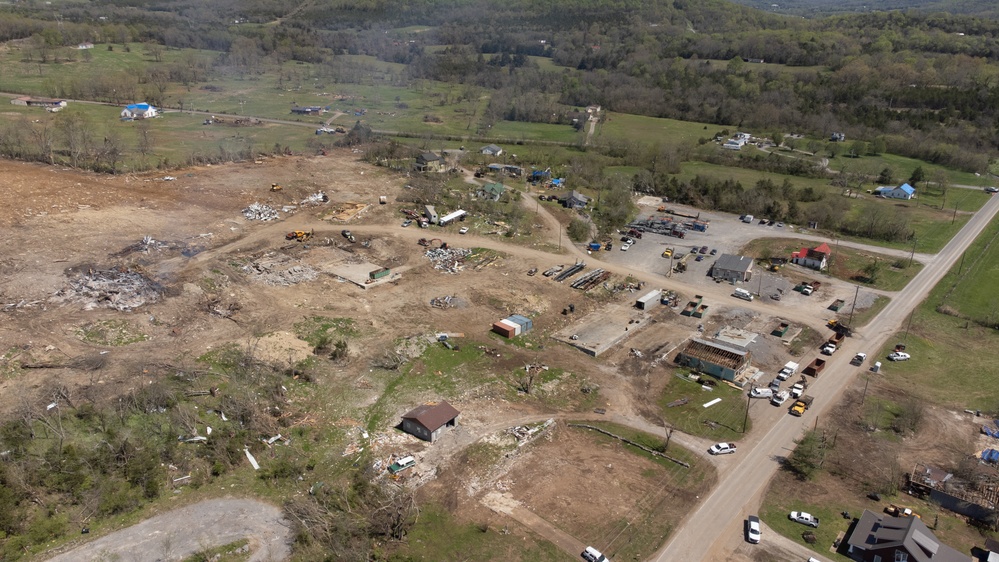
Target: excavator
[[299, 235], [430, 242], [276, 187]]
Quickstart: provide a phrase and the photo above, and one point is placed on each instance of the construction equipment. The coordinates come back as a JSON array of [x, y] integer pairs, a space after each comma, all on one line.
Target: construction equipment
[[299, 235], [276, 187], [430, 242]]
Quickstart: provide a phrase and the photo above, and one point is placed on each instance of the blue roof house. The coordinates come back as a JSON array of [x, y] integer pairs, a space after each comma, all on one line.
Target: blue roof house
[[139, 111], [904, 191]]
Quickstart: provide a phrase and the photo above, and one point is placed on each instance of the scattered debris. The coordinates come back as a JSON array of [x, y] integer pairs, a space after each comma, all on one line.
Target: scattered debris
[[259, 212], [278, 269], [680, 402], [253, 461], [317, 198], [525, 434], [442, 302], [448, 260], [121, 289]]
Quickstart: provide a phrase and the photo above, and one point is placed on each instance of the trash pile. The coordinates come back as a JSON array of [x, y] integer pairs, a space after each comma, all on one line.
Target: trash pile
[[146, 245], [448, 260], [259, 212], [317, 198], [121, 289], [276, 270], [441, 302], [525, 434]]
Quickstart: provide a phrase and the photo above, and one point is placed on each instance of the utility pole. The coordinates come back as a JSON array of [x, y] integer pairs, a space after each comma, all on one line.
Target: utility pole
[[913, 253], [867, 381], [961, 267], [745, 421], [905, 338], [854, 307]]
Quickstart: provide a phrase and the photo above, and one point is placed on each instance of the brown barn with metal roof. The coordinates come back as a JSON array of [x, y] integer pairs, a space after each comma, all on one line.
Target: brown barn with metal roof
[[429, 420]]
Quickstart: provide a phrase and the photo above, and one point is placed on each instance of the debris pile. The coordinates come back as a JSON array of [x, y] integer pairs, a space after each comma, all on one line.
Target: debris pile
[[525, 434], [259, 212], [278, 270], [441, 302], [121, 289], [448, 260], [317, 198]]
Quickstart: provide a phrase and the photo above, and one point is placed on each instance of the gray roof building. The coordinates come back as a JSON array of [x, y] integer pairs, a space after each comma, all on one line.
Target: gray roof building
[[883, 538], [733, 268]]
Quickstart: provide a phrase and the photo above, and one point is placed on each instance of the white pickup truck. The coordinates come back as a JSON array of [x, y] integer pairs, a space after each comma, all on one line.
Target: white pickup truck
[[779, 398]]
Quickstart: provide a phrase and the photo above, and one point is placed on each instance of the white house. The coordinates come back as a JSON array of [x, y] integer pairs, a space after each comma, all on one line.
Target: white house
[[491, 150], [139, 111], [815, 258], [904, 191]]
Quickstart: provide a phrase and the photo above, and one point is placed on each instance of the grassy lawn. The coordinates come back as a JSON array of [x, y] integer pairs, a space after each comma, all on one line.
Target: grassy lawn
[[438, 535], [636, 128], [934, 338], [862, 317], [650, 523], [846, 263], [782, 499], [519, 130], [727, 416]]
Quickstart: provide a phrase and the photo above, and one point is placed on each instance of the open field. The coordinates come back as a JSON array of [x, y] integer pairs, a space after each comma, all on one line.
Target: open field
[[650, 130], [720, 422]]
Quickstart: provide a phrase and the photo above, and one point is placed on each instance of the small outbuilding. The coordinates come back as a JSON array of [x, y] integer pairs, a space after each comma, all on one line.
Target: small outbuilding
[[733, 268], [491, 150], [428, 421]]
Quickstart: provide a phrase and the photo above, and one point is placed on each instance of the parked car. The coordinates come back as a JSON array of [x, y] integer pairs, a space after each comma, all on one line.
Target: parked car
[[714, 251], [898, 356], [722, 449], [780, 225], [625, 246], [804, 518], [992, 190], [828, 349], [760, 392], [406, 223], [699, 258], [463, 230], [593, 555], [704, 249], [754, 532], [668, 253], [694, 250], [858, 359], [775, 385]]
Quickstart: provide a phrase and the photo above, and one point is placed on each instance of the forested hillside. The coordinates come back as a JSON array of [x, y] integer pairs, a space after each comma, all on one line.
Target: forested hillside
[[814, 8], [923, 84]]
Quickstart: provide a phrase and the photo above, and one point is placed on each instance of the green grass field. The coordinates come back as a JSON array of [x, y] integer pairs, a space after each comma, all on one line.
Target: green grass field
[[935, 338], [650, 130], [721, 422]]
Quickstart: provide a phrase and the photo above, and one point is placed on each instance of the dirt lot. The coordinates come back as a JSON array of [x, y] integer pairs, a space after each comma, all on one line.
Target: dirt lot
[[208, 276]]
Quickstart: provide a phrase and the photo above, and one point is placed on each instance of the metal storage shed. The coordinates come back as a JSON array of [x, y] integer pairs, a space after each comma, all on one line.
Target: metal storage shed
[[429, 420]]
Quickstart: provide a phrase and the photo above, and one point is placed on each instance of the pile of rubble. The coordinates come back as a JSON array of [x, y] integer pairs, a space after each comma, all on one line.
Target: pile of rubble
[[441, 302], [448, 260], [276, 270], [146, 245], [317, 198], [121, 289], [259, 212]]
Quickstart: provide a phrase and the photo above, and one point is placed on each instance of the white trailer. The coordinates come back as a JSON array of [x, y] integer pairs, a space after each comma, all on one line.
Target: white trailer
[[450, 217]]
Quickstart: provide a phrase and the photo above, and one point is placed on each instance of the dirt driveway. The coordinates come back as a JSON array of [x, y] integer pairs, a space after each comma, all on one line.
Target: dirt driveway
[[183, 532]]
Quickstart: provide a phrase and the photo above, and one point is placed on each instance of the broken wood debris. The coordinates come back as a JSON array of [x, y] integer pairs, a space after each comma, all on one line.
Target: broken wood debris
[[275, 269], [525, 434], [121, 289], [317, 198], [448, 260], [442, 302]]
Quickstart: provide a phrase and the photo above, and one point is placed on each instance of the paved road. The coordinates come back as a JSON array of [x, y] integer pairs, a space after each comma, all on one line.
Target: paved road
[[183, 532], [715, 527]]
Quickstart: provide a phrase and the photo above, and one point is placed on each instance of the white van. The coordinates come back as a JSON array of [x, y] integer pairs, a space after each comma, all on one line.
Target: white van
[[743, 294]]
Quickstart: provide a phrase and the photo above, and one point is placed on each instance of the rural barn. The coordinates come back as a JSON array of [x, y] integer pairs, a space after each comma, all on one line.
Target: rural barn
[[717, 359], [429, 420], [733, 268]]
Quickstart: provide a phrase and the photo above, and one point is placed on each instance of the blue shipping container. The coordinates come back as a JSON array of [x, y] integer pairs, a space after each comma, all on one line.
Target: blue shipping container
[[524, 321]]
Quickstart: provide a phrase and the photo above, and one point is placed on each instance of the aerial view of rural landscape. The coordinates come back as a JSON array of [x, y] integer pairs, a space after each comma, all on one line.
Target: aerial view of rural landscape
[[469, 280]]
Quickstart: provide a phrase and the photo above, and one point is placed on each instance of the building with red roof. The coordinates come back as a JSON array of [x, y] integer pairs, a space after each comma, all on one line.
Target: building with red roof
[[814, 258]]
